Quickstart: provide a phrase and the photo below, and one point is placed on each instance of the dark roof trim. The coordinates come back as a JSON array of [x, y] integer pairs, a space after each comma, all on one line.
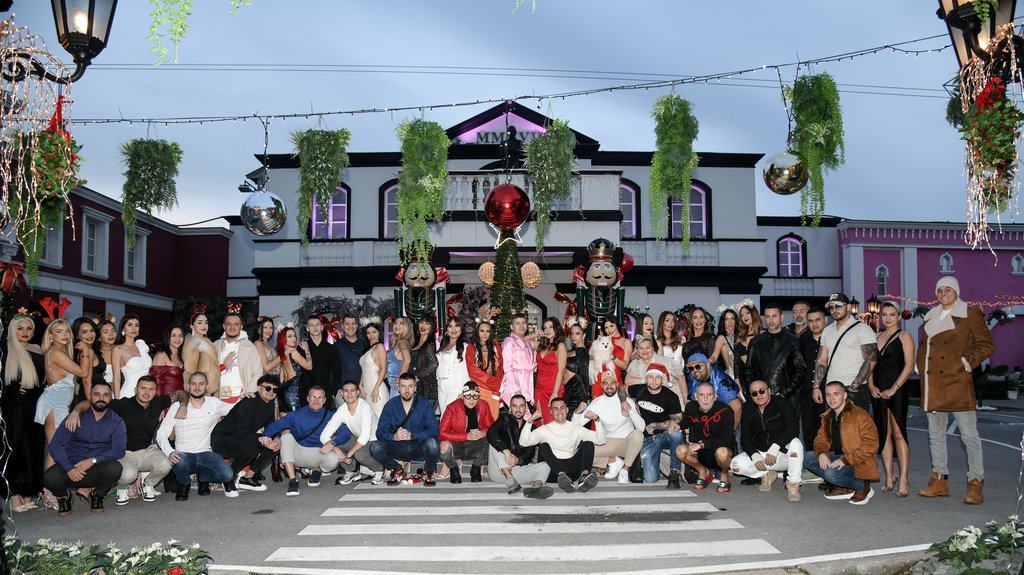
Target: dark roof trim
[[518, 109], [794, 221], [707, 159]]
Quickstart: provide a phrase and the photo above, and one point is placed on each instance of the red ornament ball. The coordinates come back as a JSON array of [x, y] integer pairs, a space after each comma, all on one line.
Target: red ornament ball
[[907, 314], [507, 206], [627, 263]]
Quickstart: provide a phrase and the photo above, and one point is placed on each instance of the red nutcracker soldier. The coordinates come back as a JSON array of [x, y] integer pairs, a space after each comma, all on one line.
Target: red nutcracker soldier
[[597, 293], [422, 292]]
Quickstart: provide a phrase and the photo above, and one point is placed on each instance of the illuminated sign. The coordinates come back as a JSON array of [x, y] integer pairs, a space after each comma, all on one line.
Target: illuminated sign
[[493, 132]]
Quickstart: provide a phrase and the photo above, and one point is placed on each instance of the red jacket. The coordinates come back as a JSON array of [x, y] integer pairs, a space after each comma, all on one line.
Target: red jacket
[[453, 421]]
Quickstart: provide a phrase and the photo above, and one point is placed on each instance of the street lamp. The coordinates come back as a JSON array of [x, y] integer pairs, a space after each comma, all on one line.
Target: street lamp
[[855, 307], [874, 306], [83, 27], [969, 34]]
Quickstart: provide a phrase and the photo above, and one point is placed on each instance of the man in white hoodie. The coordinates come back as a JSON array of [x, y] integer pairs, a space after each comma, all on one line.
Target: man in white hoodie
[[567, 448], [623, 427]]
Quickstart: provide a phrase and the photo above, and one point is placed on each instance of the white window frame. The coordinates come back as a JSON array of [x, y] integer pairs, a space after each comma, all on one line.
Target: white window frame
[[882, 279], [141, 244], [330, 223], [946, 264], [102, 263], [1017, 265], [631, 220], [54, 248], [793, 245], [698, 215], [390, 227]]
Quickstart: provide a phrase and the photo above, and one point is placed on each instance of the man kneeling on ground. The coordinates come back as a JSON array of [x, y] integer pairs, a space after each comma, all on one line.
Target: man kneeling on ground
[[768, 436]]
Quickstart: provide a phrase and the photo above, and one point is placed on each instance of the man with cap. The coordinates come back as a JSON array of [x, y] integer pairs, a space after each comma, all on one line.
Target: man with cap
[[847, 353], [709, 440], [623, 427], [661, 411], [699, 369], [956, 340], [567, 448], [464, 426]]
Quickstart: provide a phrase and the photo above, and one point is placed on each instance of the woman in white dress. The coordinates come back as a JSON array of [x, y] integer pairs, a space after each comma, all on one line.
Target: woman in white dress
[[61, 371], [131, 357], [452, 372], [374, 366]]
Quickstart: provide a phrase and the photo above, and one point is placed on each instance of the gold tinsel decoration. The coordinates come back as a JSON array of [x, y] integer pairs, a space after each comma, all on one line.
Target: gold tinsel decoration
[[486, 273], [531, 275]]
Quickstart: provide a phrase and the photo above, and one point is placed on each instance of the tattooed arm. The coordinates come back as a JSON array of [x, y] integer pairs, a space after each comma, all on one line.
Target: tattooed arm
[[870, 352]]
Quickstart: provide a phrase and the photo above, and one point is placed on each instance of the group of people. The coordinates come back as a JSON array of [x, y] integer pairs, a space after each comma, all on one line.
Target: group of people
[[88, 410]]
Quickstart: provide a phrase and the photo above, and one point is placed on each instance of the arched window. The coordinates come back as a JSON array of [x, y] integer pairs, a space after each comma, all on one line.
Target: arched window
[[791, 252], [699, 212], [1017, 264], [331, 223], [882, 278], [946, 263], [389, 210], [628, 198]]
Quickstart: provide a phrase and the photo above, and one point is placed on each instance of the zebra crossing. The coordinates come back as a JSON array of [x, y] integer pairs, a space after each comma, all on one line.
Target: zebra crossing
[[478, 528]]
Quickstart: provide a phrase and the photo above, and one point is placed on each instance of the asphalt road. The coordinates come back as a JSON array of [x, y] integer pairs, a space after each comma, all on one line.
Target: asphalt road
[[476, 528]]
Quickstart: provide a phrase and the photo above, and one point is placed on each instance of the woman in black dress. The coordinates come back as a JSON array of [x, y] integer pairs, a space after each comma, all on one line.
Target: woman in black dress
[[22, 377], [701, 340], [889, 397], [423, 362], [577, 368]]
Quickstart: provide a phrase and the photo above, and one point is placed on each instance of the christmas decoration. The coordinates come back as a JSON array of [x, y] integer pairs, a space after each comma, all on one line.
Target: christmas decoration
[[991, 128], [486, 273], [322, 161], [673, 163], [507, 206], [906, 314], [551, 161], [149, 183], [627, 263], [423, 291], [422, 184], [531, 275], [507, 294], [597, 293], [785, 174], [817, 138], [264, 213]]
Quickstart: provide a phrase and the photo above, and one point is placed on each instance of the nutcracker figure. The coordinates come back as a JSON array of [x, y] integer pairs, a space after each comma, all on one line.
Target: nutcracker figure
[[597, 294], [422, 292]]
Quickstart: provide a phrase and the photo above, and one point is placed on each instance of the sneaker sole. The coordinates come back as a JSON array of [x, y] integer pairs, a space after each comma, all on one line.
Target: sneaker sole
[[251, 488], [839, 497], [865, 500], [589, 483], [292, 494], [566, 485], [231, 494], [121, 503], [542, 492]]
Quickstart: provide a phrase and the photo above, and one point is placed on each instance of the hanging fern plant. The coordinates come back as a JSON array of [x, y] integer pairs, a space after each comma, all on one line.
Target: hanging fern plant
[[421, 185], [672, 166], [817, 138], [149, 183], [322, 162], [551, 161]]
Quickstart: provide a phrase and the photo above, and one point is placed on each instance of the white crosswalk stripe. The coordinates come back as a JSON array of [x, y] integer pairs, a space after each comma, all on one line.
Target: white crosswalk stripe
[[451, 529]]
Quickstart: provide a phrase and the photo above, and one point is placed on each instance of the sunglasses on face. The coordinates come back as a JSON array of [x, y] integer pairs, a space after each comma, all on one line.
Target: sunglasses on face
[[834, 307], [762, 391], [269, 388], [694, 368], [471, 396]]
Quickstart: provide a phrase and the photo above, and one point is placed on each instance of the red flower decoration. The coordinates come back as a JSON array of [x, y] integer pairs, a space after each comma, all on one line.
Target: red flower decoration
[[175, 571]]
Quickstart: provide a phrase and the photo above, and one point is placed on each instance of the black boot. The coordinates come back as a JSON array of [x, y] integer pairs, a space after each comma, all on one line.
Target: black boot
[[96, 500], [673, 480], [455, 475], [183, 489], [474, 474], [275, 469], [64, 504], [204, 488]]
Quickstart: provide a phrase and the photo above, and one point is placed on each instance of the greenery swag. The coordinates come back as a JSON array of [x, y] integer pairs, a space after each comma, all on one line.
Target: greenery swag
[[551, 161], [149, 183], [817, 138], [322, 161], [674, 161], [421, 185], [170, 18], [991, 128]]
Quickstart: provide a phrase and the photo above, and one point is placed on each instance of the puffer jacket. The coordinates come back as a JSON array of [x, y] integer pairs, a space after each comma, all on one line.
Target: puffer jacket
[[775, 359]]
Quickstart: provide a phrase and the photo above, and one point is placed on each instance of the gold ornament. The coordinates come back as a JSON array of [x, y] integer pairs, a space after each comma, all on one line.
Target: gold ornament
[[486, 273], [531, 275], [785, 173]]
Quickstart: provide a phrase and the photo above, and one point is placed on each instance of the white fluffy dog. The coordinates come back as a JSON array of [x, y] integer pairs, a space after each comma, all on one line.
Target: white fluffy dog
[[601, 356]]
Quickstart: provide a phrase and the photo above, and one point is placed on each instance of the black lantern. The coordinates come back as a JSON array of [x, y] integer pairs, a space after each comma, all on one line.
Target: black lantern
[[874, 306], [969, 34], [83, 27], [854, 307]]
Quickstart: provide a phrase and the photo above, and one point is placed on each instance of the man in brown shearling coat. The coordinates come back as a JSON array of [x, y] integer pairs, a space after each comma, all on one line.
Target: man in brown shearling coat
[[956, 340]]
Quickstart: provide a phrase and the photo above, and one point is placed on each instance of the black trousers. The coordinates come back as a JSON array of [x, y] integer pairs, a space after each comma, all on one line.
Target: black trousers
[[102, 477], [242, 451], [810, 414], [473, 451], [581, 461]]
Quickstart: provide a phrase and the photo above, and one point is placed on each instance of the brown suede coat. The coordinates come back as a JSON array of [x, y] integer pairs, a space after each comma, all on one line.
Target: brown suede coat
[[950, 348], [860, 440]]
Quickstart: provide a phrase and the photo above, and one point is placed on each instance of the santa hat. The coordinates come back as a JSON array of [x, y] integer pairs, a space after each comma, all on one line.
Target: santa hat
[[657, 369], [950, 282]]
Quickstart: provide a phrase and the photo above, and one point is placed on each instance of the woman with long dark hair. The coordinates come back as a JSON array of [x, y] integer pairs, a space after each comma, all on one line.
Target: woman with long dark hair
[[452, 368], [131, 357], [701, 339], [889, 402], [577, 368], [725, 344], [623, 348], [199, 354], [750, 327], [668, 341], [85, 339], [23, 375], [423, 358], [168, 368], [551, 360], [296, 358], [266, 346], [106, 341], [485, 365], [374, 369], [644, 328]]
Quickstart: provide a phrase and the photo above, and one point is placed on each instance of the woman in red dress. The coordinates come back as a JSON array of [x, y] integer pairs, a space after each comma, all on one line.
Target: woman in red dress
[[483, 362], [551, 358], [623, 350], [168, 368]]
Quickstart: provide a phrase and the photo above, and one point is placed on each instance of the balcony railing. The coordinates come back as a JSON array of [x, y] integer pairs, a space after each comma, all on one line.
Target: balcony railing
[[793, 287], [467, 190], [670, 253], [357, 253]]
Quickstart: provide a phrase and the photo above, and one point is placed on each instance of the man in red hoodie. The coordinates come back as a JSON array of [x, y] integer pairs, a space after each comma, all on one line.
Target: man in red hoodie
[[463, 436]]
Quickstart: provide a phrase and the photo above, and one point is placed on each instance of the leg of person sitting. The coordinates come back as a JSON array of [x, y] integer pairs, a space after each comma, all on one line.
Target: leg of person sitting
[[431, 454], [671, 441], [130, 464], [212, 468], [634, 442], [793, 459], [684, 454], [288, 449], [101, 477], [743, 465], [57, 481], [723, 455], [365, 458], [476, 453], [448, 453], [583, 462], [556, 466], [650, 456], [240, 450], [604, 455]]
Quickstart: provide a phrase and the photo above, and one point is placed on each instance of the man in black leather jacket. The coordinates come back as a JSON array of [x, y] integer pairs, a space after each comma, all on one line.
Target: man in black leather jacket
[[511, 463], [774, 357]]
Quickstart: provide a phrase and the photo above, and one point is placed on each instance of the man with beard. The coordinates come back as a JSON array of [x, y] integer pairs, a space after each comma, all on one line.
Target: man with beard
[[326, 370], [812, 403], [623, 428], [407, 431], [709, 439], [661, 412], [463, 434], [848, 352], [774, 357], [511, 462], [845, 448], [237, 436], [350, 348], [240, 364], [567, 448], [88, 456], [799, 325], [191, 453]]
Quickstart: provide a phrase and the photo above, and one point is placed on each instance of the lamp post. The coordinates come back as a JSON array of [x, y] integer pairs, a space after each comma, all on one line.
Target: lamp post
[[854, 307], [874, 306], [83, 27], [969, 34]]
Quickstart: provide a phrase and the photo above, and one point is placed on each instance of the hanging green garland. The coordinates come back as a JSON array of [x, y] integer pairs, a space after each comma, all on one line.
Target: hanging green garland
[[149, 183], [422, 184], [817, 138], [673, 163], [322, 162], [551, 161]]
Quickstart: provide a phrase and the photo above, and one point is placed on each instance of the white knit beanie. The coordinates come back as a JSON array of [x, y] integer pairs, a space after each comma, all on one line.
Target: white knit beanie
[[948, 281]]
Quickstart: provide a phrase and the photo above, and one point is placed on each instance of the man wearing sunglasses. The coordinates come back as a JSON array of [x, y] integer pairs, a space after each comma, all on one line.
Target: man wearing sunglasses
[[847, 354], [237, 436], [769, 442], [463, 435]]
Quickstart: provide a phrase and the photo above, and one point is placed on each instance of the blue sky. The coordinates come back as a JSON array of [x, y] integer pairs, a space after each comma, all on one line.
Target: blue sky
[[903, 160]]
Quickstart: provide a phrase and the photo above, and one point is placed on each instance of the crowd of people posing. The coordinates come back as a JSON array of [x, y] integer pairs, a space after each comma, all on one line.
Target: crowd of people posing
[[89, 410]]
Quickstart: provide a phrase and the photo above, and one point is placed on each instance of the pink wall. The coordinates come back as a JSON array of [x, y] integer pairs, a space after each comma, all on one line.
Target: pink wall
[[874, 258]]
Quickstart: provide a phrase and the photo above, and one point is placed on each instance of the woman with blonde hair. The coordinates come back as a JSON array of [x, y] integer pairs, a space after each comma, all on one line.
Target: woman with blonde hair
[[61, 372], [22, 374], [399, 354]]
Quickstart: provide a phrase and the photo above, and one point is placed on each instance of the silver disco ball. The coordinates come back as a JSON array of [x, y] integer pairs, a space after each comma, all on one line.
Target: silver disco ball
[[785, 173], [263, 213]]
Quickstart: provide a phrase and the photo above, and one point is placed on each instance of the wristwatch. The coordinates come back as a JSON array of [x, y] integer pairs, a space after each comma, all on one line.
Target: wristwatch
[[93, 460]]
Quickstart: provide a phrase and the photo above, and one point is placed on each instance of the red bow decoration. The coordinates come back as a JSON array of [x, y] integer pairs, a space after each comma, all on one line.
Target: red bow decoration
[[570, 310], [442, 276], [11, 275], [331, 327], [449, 310], [579, 275], [53, 309], [234, 307], [621, 276]]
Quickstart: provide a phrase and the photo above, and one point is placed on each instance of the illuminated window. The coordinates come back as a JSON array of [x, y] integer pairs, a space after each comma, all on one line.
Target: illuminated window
[[335, 225], [698, 215], [790, 250]]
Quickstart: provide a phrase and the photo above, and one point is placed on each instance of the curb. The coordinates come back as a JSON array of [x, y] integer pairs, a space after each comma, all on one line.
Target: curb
[[878, 565]]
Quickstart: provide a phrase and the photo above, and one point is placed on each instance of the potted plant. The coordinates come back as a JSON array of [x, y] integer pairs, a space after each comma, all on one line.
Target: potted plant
[[323, 158], [817, 138], [673, 163], [422, 184], [151, 166], [991, 127], [551, 161]]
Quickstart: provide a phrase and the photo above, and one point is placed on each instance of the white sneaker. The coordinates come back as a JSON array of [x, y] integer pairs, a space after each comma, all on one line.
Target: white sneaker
[[148, 493], [378, 478], [122, 497], [349, 477], [614, 467], [623, 477]]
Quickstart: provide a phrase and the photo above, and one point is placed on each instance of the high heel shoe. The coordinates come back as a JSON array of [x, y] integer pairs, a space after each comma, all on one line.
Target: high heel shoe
[[901, 493], [891, 486]]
